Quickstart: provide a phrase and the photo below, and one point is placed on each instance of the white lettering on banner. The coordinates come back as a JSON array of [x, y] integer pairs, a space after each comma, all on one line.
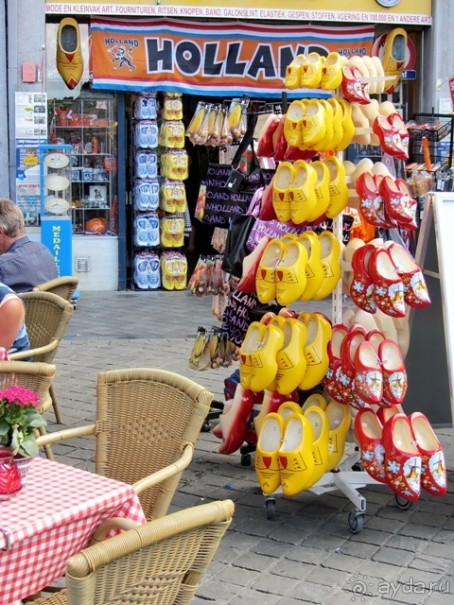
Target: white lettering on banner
[[239, 13]]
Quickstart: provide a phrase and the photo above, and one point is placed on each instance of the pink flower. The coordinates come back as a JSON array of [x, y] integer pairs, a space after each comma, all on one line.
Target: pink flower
[[19, 395]]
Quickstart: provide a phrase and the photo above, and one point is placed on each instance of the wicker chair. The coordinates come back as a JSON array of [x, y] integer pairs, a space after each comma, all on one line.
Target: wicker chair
[[147, 421], [62, 286], [158, 563], [46, 316], [36, 376]]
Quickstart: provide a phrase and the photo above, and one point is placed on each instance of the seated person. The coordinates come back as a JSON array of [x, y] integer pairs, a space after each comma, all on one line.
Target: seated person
[[13, 334], [24, 263]]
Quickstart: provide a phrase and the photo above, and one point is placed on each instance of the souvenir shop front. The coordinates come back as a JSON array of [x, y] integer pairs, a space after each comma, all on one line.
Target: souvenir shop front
[[142, 97]]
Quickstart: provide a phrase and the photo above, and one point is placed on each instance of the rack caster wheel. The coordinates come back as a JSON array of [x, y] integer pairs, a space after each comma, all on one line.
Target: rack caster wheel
[[402, 503], [246, 460], [206, 427], [270, 506], [355, 521]]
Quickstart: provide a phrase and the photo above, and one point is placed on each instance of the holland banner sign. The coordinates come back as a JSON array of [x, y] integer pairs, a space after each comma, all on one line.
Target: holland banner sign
[[210, 58]]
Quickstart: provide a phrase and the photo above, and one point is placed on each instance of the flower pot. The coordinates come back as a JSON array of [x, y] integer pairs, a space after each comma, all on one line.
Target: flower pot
[[10, 480]]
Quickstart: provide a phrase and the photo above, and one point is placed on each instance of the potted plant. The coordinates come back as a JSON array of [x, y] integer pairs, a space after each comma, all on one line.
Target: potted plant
[[19, 421]]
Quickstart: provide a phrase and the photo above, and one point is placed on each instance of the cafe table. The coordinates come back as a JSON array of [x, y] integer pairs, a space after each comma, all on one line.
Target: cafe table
[[52, 517]]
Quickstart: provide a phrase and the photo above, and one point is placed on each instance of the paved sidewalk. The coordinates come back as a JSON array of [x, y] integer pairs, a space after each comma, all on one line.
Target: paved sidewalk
[[307, 553]]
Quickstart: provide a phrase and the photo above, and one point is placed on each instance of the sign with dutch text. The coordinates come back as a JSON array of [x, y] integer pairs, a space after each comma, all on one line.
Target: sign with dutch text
[[397, 12], [210, 59]]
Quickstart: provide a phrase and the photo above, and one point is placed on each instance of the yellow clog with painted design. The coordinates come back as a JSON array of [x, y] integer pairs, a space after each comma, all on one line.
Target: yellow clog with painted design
[[338, 189], [302, 192], [296, 458], [330, 260], [314, 269], [291, 363], [339, 420], [269, 441], [315, 349], [291, 273], [320, 445], [265, 279]]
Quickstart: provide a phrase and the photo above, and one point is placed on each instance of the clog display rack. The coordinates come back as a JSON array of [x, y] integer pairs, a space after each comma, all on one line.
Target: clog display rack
[[350, 370], [159, 195]]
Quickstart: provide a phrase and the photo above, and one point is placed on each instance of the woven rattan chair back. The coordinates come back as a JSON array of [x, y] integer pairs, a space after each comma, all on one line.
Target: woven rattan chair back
[[47, 316], [36, 376], [62, 286], [159, 563], [145, 417]]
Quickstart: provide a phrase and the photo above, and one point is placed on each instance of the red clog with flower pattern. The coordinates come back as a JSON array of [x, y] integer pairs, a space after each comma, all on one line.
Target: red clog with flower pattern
[[368, 375], [402, 458], [394, 373], [390, 140], [433, 470], [362, 286], [415, 289], [395, 203], [388, 290], [371, 203], [369, 433]]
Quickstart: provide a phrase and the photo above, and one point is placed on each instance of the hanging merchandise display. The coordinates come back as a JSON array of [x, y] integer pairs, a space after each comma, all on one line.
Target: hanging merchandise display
[[160, 164], [355, 363]]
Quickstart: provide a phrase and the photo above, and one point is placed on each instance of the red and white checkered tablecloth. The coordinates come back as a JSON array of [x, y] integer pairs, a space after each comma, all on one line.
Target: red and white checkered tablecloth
[[50, 519]]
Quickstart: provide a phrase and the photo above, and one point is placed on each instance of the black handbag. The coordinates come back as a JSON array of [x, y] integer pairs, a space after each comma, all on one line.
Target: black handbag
[[229, 191], [240, 227]]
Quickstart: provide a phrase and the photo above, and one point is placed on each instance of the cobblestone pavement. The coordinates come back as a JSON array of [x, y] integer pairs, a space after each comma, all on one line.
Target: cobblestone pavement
[[306, 553]]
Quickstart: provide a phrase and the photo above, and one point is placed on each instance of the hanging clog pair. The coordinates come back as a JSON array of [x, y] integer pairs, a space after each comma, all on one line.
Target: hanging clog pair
[[295, 449]]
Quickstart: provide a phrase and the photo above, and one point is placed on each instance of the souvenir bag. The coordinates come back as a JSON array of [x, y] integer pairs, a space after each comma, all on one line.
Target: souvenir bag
[[240, 227], [229, 191]]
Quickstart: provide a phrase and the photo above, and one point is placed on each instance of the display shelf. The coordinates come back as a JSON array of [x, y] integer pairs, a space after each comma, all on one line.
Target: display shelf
[[87, 124], [438, 130]]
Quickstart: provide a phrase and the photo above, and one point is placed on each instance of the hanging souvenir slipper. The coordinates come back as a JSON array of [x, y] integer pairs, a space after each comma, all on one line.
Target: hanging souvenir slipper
[[368, 382], [315, 349], [388, 287], [369, 433], [338, 189], [371, 203], [269, 442], [302, 192], [362, 286], [402, 458], [390, 140], [330, 261], [292, 78], [332, 71], [291, 363], [265, 281], [331, 380], [415, 289], [296, 460], [283, 178], [395, 203], [339, 419], [291, 273], [320, 446], [235, 421], [293, 125], [311, 71], [433, 478], [394, 373], [353, 88], [314, 269]]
